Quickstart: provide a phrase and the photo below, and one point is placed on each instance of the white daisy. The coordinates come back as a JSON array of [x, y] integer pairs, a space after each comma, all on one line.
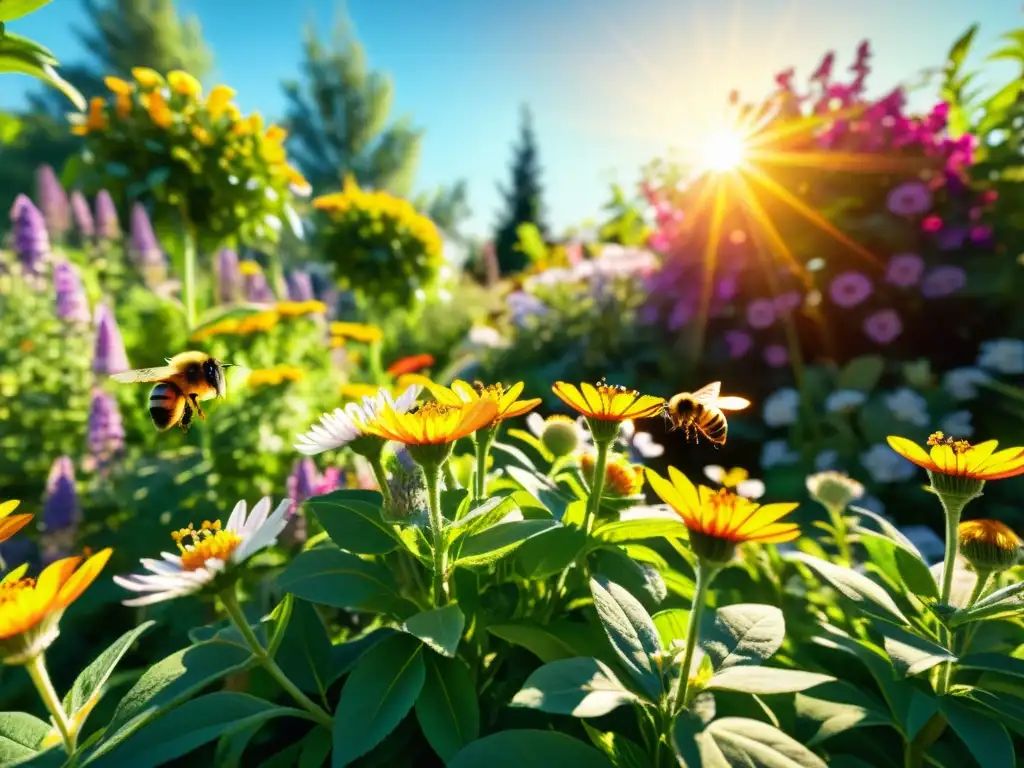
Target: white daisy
[[206, 553], [340, 427], [736, 480]]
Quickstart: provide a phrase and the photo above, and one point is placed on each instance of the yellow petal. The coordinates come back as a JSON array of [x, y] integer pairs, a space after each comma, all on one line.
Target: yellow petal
[[7, 507], [911, 451], [777, 533], [183, 83], [83, 577]]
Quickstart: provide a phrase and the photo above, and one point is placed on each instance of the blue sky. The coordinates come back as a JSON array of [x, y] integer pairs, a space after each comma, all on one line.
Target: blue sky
[[612, 83]]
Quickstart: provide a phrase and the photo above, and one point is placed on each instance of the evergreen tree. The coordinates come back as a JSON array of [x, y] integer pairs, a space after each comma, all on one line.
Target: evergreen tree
[[522, 199], [447, 207], [337, 120]]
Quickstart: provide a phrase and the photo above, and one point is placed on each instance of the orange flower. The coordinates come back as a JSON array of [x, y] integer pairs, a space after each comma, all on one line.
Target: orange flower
[[118, 86], [606, 402], [410, 364], [960, 459], [11, 524], [432, 423], [159, 112], [462, 393], [218, 100], [989, 545], [184, 83]]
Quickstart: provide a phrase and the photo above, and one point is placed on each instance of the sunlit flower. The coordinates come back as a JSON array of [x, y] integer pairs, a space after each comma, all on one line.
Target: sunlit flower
[[904, 270], [146, 77], [607, 402], [560, 434], [883, 326], [184, 83], [849, 289], [159, 112], [205, 554], [11, 524], [357, 391], [30, 609], [909, 199], [258, 322], [217, 101], [834, 489], [989, 545], [431, 423], [737, 480], [367, 334], [344, 425], [462, 393], [300, 308], [410, 364], [621, 477], [958, 458]]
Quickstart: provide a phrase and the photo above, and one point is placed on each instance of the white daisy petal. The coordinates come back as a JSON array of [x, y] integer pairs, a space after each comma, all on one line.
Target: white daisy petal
[[535, 423], [644, 444], [256, 518], [408, 398], [714, 473], [156, 597], [237, 517], [750, 489]]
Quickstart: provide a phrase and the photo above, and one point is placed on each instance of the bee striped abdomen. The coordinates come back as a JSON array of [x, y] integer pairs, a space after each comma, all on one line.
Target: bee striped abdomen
[[166, 405], [714, 426]]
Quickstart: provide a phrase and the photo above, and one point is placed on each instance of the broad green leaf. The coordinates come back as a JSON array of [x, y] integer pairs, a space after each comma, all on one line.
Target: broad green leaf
[[539, 486], [1007, 601], [352, 519], [631, 632], [550, 552], [911, 654], [621, 531], [15, 9], [169, 682], [987, 740], [899, 564], [484, 516], [231, 746], [377, 695], [305, 652], [958, 52], [494, 543], [315, 747], [448, 709], [861, 373], [191, 725], [739, 741], [534, 442], [21, 55], [869, 596], [641, 580], [454, 502], [622, 752], [89, 685], [516, 748], [671, 624], [581, 687], [20, 735], [993, 662], [344, 656], [890, 530], [440, 628], [748, 633], [328, 576], [837, 707], [562, 639], [747, 679]]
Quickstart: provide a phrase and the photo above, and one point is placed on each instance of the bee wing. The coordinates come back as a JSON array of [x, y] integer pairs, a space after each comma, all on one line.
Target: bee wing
[[144, 374], [708, 394], [732, 403]]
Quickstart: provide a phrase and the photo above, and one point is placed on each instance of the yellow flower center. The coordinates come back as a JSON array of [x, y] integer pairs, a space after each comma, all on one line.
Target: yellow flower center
[[495, 390], [959, 447], [611, 390], [432, 409], [724, 502], [206, 543]]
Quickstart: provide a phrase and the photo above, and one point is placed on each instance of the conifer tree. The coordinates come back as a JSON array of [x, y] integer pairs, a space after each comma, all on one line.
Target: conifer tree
[[522, 198]]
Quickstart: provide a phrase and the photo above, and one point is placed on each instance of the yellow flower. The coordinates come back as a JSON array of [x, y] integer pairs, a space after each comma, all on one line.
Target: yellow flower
[[30, 609], [276, 134], [272, 153], [202, 135], [123, 105], [249, 269], [960, 459], [257, 322], [722, 514], [11, 524], [621, 477], [219, 99], [461, 393], [989, 545], [224, 327], [97, 119], [432, 423], [606, 402], [274, 376], [147, 78], [300, 308], [184, 83], [159, 112], [118, 86], [358, 391], [357, 332]]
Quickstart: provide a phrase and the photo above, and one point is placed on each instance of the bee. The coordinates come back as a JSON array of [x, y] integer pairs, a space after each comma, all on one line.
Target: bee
[[700, 412], [187, 379]]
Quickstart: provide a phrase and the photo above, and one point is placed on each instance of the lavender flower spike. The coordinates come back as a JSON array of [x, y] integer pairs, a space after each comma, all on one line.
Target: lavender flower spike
[[72, 303], [228, 277], [300, 286], [145, 250], [105, 437], [31, 242], [60, 507], [53, 202], [107, 225], [109, 356], [83, 216]]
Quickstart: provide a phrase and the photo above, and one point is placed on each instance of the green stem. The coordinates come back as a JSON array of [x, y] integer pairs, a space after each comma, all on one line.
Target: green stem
[[953, 507], [914, 751], [836, 514], [382, 478], [188, 287], [234, 610], [440, 586], [980, 585], [597, 487], [41, 679], [704, 574], [376, 366], [449, 475], [484, 440]]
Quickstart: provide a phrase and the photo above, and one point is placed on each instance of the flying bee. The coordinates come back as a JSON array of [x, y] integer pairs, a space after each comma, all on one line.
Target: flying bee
[[700, 412], [187, 379]]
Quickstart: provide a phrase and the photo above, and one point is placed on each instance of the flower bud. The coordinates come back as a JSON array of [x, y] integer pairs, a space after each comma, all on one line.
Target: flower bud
[[408, 487], [621, 477], [560, 435], [834, 490], [989, 545]]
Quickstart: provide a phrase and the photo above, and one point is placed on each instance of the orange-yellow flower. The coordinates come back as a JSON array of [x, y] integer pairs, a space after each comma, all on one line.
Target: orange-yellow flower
[[462, 393], [432, 423], [989, 545], [95, 121], [621, 477], [410, 364], [960, 459], [218, 100], [118, 86], [184, 83], [357, 332], [257, 322], [146, 77], [356, 391], [300, 308], [11, 524], [722, 514], [607, 402], [30, 609], [123, 105], [159, 112]]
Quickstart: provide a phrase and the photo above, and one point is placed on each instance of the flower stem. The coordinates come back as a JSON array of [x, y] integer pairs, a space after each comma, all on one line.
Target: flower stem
[[41, 679], [449, 475], [836, 513], [382, 478], [188, 287], [954, 507], [234, 610], [597, 488], [485, 438], [440, 586], [704, 573], [376, 366]]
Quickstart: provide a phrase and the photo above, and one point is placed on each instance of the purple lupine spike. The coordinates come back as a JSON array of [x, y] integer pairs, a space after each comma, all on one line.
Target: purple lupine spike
[[72, 303], [303, 480], [105, 437], [257, 288], [300, 286], [228, 276], [53, 202], [108, 227], [109, 356], [82, 216], [60, 507], [145, 249], [31, 241]]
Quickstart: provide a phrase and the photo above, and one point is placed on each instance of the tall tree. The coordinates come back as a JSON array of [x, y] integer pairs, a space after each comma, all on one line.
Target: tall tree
[[522, 198], [448, 207], [337, 120]]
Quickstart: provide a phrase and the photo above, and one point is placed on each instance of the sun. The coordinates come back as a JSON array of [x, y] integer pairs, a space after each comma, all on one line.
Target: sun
[[723, 151]]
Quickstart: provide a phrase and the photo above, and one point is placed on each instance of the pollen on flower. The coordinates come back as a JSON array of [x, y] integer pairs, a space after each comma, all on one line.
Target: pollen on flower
[[11, 590], [936, 438], [959, 447], [209, 542]]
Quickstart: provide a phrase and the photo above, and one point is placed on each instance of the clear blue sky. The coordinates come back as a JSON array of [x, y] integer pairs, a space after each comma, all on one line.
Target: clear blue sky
[[613, 83]]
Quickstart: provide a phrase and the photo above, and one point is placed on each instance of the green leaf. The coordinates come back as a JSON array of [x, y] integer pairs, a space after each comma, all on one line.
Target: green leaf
[[747, 633], [20, 735], [344, 656], [993, 662], [539, 486], [448, 709], [622, 752], [869, 596], [494, 543], [171, 681], [562, 639], [899, 564], [581, 687], [21, 55], [861, 373], [328, 576], [1007, 601], [958, 52], [746, 679], [516, 748], [353, 520], [191, 725], [378, 694], [740, 741], [550, 552], [440, 628], [89, 685], [631, 632], [620, 531], [305, 652], [987, 740], [15, 9], [837, 707], [484, 516], [911, 654], [672, 624], [641, 580]]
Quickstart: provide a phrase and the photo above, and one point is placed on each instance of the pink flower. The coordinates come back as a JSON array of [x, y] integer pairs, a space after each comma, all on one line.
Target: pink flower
[[884, 326], [776, 355], [787, 302], [727, 288], [904, 270], [909, 199], [943, 281], [931, 224], [739, 343], [849, 289], [981, 235], [761, 313]]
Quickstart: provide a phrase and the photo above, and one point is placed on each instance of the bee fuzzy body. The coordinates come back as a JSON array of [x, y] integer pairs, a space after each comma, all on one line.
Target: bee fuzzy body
[[167, 406], [700, 413]]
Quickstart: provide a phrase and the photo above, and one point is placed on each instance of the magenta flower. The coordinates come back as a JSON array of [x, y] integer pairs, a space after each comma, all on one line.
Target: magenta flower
[[776, 355], [849, 289], [727, 288], [82, 216], [738, 342], [884, 326], [943, 281], [72, 304], [911, 198], [981, 235], [109, 356], [105, 436], [761, 313], [931, 224], [60, 507], [31, 241], [53, 202], [228, 276], [904, 270], [107, 225]]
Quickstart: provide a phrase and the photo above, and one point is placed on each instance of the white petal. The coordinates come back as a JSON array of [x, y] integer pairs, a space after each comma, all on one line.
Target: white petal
[[627, 429], [751, 489], [408, 398], [156, 597], [256, 518], [237, 518], [158, 566], [535, 423], [645, 445], [265, 536], [714, 473]]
